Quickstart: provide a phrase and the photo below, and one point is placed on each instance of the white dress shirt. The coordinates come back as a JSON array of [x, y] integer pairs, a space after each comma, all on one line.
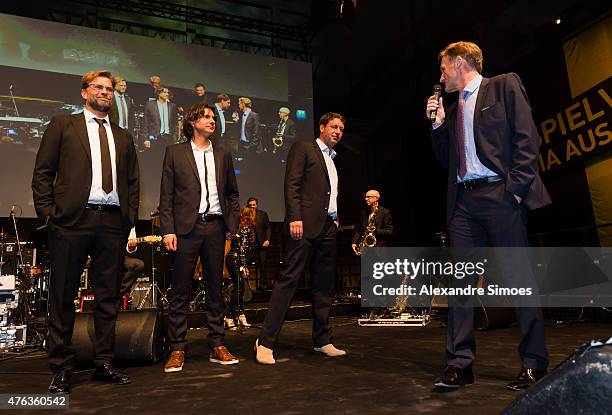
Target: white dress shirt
[[213, 196], [96, 194], [328, 156]]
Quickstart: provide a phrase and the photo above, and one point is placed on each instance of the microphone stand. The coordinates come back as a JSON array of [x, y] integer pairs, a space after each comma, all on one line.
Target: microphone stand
[[13, 99]]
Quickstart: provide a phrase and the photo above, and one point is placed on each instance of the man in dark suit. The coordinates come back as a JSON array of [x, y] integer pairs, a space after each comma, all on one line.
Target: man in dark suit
[[263, 232], [85, 186], [311, 223], [161, 121], [383, 223], [221, 106], [490, 144], [122, 108], [249, 125], [198, 206]]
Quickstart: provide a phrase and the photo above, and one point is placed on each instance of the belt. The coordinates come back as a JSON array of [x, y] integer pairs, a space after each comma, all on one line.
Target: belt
[[473, 183], [207, 217], [100, 208]]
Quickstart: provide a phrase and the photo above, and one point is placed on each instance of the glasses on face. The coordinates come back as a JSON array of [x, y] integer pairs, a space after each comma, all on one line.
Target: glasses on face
[[370, 197], [102, 88]]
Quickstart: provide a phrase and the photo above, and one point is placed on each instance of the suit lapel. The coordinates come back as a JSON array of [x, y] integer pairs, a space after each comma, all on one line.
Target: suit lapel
[[191, 159], [78, 122], [482, 93], [218, 156], [322, 163], [117, 135]]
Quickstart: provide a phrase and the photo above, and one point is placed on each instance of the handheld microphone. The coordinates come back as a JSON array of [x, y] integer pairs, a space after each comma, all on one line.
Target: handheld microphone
[[437, 92]]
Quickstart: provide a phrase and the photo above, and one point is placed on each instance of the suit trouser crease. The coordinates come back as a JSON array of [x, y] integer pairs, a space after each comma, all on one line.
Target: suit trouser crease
[[206, 240], [490, 216], [321, 254], [101, 235]]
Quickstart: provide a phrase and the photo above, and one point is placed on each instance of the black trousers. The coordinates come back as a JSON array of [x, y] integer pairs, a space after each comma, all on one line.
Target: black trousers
[[207, 241], [133, 268], [491, 216], [100, 235], [236, 303], [321, 253], [262, 271]]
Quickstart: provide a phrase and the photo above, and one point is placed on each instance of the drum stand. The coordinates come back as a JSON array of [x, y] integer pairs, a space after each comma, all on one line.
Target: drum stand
[[154, 286]]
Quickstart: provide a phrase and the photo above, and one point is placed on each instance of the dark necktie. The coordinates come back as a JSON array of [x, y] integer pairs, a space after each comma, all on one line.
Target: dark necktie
[[461, 135], [107, 171], [123, 111], [206, 183], [281, 125]]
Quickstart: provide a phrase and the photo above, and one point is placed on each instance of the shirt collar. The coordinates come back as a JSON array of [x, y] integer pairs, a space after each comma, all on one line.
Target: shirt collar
[[473, 84], [218, 107], [246, 110], [326, 149], [196, 148], [117, 94], [90, 116]]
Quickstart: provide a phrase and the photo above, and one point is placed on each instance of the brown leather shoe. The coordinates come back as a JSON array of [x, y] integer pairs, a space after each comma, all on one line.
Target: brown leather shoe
[[222, 356], [175, 361]]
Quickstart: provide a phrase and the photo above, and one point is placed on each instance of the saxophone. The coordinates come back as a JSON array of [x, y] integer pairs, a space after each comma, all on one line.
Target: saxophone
[[368, 239]]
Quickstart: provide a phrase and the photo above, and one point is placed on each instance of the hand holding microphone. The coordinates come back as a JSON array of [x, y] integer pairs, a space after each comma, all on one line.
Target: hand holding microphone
[[435, 108]]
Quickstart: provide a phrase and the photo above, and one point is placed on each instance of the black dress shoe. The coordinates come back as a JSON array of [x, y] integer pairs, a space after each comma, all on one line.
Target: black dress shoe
[[454, 378], [525, 379], [107, 373], [60, 382]]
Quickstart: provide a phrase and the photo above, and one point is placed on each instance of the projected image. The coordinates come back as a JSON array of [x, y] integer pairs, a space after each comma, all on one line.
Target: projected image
[[258, 126]]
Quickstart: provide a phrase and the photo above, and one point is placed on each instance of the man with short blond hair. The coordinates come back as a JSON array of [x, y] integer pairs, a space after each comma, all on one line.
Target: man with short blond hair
[[489, 143]]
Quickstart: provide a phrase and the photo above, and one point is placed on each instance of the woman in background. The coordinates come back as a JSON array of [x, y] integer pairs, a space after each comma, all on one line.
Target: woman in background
[[238, 258]]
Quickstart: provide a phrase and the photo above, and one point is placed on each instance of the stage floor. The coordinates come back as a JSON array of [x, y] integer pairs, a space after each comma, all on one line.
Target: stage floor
[[388, 370]]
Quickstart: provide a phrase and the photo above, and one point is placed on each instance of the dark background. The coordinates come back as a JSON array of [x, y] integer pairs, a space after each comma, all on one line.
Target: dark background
[[375, 62]]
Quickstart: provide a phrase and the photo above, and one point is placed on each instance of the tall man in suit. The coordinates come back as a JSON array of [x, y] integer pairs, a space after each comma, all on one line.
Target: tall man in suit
[[122, 108], [263, 232], [383, 222], [249, 125], [221, 106], [311, 223], [85, 186], [161, 121], [489, 143], [198, 206]]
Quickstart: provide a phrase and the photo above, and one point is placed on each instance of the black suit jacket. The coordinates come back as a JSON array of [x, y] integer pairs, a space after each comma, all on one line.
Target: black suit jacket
[[179, 199], [262, 227], [113, 114], [217, 135], [251, 127], [307, 188], [383, 223], [506, 138], [289, 133], [152, 120], [62, 174]]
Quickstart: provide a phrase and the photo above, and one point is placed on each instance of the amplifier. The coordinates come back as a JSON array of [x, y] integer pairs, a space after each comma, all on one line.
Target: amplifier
[[87, 303], [12, 336]]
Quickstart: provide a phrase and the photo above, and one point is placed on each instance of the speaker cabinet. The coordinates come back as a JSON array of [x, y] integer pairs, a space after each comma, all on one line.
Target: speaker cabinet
[[139, 337], [579, 385]]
